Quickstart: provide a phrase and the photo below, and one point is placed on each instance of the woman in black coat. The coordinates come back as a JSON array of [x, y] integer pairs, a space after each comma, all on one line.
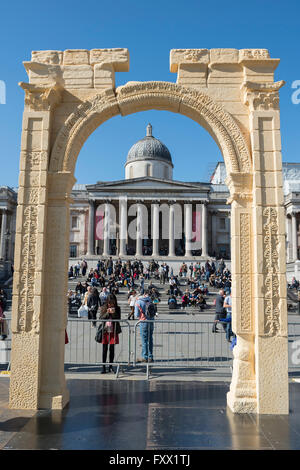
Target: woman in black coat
[[110, 336]]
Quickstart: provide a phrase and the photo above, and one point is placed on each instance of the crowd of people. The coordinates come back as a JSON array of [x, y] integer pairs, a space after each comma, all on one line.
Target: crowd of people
[[98, 293]]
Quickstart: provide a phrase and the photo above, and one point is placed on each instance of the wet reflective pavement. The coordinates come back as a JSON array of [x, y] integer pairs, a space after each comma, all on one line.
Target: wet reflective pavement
[[141, 415]]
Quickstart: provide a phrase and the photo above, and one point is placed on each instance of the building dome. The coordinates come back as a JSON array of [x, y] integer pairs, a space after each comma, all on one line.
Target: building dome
[[156, 158]]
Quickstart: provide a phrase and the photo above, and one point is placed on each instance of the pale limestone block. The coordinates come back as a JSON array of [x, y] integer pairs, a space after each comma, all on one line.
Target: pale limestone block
[[259, 286], [224, 94], [260, 71], [236, 109], [281, 220], [268, 197], [36, 120], [258, 251], [267, 161], [283, 317], [76, 57], [188, 56], [33, 178], [272, 382], [41, 220], [192, 74], [78, 76], [104, 76], [267, 179], [282, 253], [117, 57], [47, 57], [259, 309], [224, 56], [266, 141], [226, 71], [253, 54], [259, 116], [282, 284]]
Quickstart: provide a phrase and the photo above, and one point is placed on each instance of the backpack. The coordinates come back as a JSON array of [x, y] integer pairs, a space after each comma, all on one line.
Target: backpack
[[150, 310]]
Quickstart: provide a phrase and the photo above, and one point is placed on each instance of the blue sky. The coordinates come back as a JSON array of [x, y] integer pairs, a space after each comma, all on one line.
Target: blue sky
[[149, 30]]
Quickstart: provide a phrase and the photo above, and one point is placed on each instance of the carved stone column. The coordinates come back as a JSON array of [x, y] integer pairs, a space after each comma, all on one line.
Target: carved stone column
[[242, 396], [37, 376], [269, 261]]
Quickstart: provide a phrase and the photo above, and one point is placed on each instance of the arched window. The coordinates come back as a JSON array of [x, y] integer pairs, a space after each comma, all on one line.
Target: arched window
[[166, 172], [148, 169], [131, 172]]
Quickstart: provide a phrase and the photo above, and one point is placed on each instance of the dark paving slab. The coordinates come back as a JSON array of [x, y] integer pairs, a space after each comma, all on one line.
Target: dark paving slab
[[139, 415]]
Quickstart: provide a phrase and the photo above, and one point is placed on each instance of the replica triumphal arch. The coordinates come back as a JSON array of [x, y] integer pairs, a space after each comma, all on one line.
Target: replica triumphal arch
[[232, 94]]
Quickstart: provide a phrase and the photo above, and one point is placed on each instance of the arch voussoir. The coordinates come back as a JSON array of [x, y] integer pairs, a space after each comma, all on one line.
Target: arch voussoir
[[141, 96]]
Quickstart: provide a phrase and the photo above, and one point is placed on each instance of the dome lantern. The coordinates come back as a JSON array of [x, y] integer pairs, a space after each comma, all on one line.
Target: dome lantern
[[149, 157]]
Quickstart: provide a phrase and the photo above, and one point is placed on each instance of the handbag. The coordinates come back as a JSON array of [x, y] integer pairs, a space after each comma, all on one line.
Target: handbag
[[118, 328], [83, 311], [99, 334]]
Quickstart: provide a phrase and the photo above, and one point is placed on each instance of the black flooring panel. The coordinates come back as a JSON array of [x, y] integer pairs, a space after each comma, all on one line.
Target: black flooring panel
[[139, 415]]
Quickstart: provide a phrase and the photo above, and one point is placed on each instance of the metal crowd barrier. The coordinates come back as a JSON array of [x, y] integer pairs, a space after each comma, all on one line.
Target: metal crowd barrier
[[176, 344], [83, 349], [180, 343]]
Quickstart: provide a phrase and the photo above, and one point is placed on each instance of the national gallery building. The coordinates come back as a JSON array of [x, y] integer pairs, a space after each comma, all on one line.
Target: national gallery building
[[150, 214]]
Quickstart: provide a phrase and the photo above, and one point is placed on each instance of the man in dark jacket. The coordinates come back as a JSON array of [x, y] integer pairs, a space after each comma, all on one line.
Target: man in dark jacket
[[93, 303], [220, 311]]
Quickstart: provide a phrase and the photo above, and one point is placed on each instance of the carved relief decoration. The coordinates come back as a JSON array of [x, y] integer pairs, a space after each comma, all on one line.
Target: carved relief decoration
[[245, 279], [271, 269], [261, 96], [148, 95], [40, 98], [27, 319]]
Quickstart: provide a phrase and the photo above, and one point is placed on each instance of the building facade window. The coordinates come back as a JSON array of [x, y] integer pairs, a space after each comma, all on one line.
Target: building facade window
[[222, 223], [73, 251], [166, 172], [74, 221]]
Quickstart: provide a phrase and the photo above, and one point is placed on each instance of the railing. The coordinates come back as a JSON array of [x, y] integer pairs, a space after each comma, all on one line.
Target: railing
[[83, 349], [184, 343], [176, 344]]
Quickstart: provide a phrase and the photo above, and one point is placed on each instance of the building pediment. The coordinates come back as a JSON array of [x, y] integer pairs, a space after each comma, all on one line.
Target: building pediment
[[147, 183]]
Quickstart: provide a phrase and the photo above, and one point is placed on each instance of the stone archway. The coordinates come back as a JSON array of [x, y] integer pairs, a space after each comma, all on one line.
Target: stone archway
[[69, 95]]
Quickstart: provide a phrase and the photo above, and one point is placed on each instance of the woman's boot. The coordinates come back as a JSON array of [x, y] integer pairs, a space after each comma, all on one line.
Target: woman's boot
[[103, 370]]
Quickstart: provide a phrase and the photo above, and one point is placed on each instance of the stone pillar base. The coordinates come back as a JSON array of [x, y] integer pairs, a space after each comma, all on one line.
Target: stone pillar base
[[242, 397], [238, 403], [48, 401]]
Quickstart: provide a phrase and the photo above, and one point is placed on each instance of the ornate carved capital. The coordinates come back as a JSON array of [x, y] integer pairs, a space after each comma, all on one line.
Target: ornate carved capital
[[261, 96], [40, 98], [240, 187]]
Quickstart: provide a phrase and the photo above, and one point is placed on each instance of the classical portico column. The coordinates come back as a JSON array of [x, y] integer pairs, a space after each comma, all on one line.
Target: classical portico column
[[106, 236], [139, 230], [188, 229], [214, 232], [3, 232], [91, 235], [171, 230], [204, 230], [123, 226], [155, 230], [294, 237]]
